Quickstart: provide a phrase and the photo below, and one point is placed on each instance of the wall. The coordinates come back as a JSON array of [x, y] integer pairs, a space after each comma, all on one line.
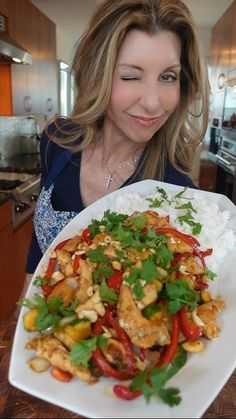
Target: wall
[[34, 87], [5, 90]]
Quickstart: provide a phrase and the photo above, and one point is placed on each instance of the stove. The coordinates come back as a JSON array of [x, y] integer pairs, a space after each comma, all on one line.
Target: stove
[[226, 162], [23, 188]]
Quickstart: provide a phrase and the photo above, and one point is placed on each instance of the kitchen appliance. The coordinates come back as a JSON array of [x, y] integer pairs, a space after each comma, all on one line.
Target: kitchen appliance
[[229, 109], [226, 165], [23, 189], [215, 136], [10, 50]]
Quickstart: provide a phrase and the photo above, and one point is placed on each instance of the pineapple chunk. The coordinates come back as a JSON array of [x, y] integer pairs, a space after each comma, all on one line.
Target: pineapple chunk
[[80, 330], [29, 319]]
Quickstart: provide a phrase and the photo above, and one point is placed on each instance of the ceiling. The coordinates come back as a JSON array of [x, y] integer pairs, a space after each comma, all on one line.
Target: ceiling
[[64, 13]]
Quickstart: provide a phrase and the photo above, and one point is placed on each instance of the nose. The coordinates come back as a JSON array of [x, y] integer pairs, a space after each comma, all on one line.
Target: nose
[[150, 98]]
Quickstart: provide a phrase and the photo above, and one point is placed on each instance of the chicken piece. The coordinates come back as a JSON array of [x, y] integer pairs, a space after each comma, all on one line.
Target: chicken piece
[[190, 265], [149, 297], [137, 255], [92, 308], [72, 245], [208, 313], [85, 281], [141, 331], [63, 337], [51, 349], [102, 239], [65, 262], [110, 251], [154, 219], [114, 351], [177, 245]]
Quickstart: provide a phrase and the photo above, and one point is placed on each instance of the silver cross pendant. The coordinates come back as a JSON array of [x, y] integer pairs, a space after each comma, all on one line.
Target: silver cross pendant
[[109, 179]]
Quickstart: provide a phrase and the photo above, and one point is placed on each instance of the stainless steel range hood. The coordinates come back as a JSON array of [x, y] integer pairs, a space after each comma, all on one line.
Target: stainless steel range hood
[[11, 52]]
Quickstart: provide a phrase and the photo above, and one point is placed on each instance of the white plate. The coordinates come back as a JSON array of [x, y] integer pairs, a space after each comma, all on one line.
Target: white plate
[[200, 380]]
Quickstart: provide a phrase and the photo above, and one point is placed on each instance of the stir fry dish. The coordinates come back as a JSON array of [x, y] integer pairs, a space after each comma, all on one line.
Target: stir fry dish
[[128, 298]]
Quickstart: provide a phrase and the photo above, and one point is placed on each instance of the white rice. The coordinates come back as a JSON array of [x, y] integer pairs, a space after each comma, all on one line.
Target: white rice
[[214, 233]]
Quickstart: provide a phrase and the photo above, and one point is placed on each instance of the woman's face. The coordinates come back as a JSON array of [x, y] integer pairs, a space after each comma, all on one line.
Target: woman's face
[[146, 86]]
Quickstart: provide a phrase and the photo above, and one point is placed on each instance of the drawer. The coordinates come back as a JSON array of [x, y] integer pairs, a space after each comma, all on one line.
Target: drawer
[[5, 214]]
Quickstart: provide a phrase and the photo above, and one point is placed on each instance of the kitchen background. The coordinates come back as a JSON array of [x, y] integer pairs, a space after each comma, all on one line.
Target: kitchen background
[[41, 35]]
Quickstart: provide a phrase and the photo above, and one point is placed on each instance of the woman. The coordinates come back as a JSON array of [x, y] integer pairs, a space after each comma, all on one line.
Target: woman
[[139, 69]]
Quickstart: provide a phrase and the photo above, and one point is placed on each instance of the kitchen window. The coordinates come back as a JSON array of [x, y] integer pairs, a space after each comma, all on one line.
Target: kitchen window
[[66, 89]]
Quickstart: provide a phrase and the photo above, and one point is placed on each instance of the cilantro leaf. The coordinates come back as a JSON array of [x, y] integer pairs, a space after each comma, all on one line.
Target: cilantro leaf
[[81, 352], [138, 290], [139, 381], [96, 255], [155, 202], [153, 383], [55, 304], [170, 396], [197, 228], [139, 221], [210, 275], [164, 256], [187, 206], [107, 294], [179, 294], [39, 280], [181, 193], [101, 272], [148, 270]]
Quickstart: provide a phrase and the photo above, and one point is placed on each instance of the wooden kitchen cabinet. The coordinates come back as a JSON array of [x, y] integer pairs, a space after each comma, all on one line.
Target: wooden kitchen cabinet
[[222, 59], [207, 175], [21, 242], [223, 42], [33, 84], [14, 249], [4, 7], [232, 65], [7, 293]]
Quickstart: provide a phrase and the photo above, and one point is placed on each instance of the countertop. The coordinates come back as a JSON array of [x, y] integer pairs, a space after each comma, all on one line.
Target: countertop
[[15, 403]]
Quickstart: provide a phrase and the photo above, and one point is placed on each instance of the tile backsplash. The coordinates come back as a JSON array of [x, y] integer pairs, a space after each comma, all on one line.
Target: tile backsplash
[[13, 131]]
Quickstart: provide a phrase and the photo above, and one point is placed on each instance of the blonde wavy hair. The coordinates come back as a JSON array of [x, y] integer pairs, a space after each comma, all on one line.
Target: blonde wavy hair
[[93, 67]]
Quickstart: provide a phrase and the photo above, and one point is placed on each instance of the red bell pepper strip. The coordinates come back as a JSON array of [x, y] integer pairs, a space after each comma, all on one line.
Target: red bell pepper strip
[[201, 254], [130, 358], [60, 374], [171, 349], [191, 241], [50, 268], [86, 236], [125, 393], [103, 365], [115, 280], [189, 329], [76, 263], [97, 327], [179, 257], [143, 353], [47, 289], [201, 285], [52, 261]]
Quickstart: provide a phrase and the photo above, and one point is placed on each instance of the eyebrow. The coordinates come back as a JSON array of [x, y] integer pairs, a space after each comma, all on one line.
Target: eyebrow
[[136, 67]]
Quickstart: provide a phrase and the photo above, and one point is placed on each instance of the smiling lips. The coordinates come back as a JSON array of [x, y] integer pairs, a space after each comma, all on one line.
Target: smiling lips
[[147, 122]]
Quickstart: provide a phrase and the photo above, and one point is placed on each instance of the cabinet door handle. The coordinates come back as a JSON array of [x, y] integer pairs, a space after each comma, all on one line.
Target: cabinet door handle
[[221, 159]]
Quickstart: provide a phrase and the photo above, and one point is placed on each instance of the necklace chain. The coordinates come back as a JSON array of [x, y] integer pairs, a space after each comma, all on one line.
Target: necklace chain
[[110, 177]]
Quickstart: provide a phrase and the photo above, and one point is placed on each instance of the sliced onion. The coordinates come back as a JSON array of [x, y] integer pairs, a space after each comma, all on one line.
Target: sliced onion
[[66, 320], [39, 364], [71, 281]]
